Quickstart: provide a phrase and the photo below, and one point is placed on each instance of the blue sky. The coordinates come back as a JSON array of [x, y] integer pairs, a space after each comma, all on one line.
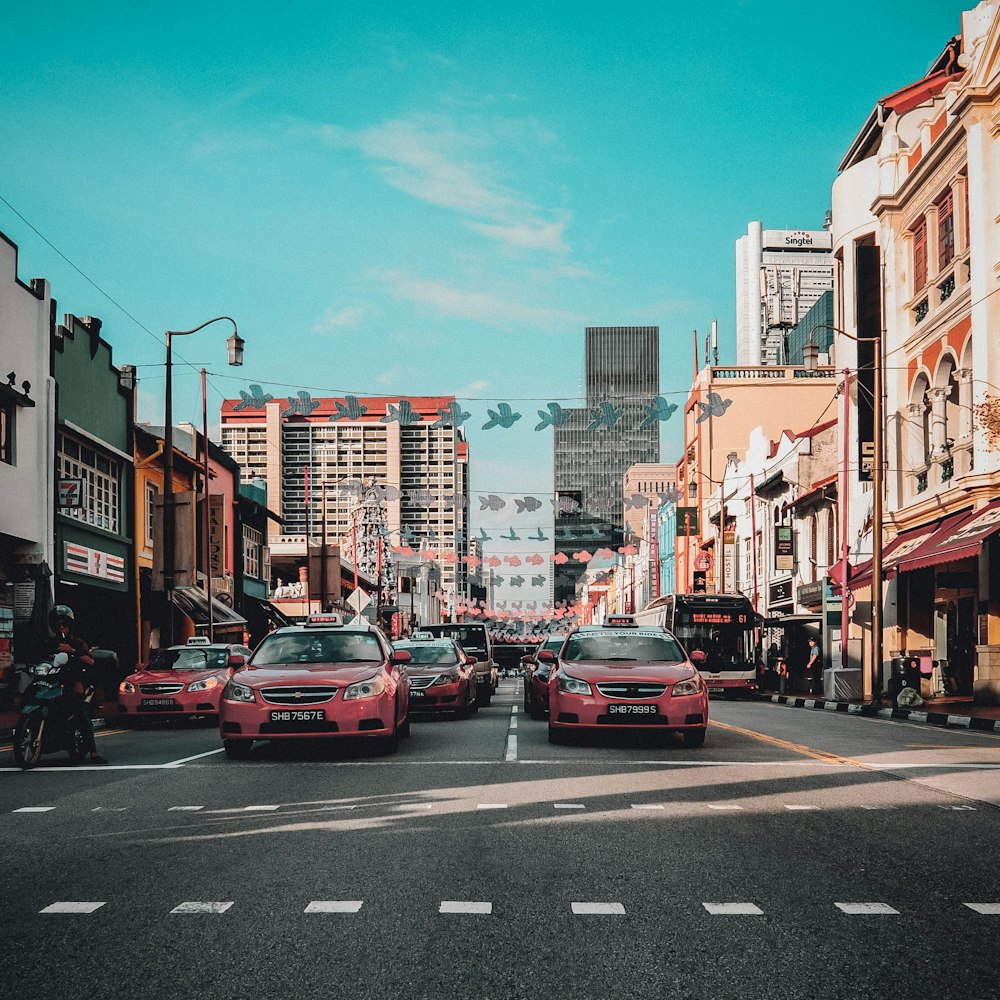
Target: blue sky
[[403, 198]]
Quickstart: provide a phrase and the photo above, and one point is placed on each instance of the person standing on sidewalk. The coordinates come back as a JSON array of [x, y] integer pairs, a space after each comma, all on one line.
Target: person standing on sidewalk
[[812, 664]]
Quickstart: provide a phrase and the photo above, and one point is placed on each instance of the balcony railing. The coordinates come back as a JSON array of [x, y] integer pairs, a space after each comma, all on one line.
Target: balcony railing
[[921, 309], [922, 482], [947, 470], [947, 287]]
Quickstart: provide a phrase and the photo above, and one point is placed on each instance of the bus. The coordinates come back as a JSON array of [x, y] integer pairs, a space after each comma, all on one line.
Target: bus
[[724, 626]]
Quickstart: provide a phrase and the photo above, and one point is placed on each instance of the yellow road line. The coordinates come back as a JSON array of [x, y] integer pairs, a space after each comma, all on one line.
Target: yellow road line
[[823, 755]]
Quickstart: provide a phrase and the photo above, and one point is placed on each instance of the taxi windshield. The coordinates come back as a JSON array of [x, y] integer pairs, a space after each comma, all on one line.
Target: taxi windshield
[[430, 654], [634, 647], [187, 658], [318, 647]]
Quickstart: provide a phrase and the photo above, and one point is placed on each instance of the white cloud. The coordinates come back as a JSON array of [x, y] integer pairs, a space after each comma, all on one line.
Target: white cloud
[[338, 319], [473, 390], [385, 378], [534, 235]]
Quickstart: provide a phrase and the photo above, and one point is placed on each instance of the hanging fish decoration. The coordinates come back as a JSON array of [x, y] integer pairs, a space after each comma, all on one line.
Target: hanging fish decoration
[[492, 502]]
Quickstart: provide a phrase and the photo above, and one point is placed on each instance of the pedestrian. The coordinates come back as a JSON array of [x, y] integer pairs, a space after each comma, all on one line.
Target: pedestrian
[[61, 619], [771, 663], [812, 664]]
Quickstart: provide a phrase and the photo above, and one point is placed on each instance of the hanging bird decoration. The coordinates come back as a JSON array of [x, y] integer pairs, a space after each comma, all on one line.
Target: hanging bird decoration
[[604, 415], [511, 537], [255, 399], [553, 416], [451, 415], [502, 416], [657, 411], [715, 407], [402, 413], [301, 406], [350, 409], [483, 537], [538, 536]]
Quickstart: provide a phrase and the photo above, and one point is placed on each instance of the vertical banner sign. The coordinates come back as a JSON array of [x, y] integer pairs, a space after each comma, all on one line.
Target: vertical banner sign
[[728, 560], [217, 533], [868, 285], [784, 548], [653, 534]]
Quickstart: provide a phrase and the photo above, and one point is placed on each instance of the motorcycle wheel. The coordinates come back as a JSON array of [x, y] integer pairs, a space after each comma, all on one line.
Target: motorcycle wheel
[[28, 741]]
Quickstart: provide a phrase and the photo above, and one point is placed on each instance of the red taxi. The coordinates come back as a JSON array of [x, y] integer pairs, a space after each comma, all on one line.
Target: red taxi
[[180, 681], [536, 677], [323, 679], [442, 675], [620, 676]]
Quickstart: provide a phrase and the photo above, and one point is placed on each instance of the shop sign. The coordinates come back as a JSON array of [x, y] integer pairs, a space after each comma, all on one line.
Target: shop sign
[[780, 593], [687, 521], [70, 492], [784, 548], [810, 594], [6, 654], [217, 533], [24, 600], [95, 563]]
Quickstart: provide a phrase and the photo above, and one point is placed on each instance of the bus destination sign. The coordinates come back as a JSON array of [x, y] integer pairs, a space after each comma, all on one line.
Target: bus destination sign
[[713, 618]]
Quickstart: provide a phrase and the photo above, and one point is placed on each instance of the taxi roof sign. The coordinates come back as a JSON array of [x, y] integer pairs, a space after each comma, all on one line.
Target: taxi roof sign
[[199, 640], [619, 620], [327, 619], [423, 635]]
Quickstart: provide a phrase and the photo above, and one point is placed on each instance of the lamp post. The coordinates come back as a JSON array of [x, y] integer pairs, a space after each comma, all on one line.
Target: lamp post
[[878, 486], [235, 345]]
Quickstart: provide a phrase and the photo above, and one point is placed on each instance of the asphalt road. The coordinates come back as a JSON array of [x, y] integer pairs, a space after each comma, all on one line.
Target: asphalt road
[[482, 862]]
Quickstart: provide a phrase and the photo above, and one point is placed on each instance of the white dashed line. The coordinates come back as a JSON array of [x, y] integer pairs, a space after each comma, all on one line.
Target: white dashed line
[[68, 907], [185, 809], [414, 806], [109, 809], [260, 809], [197, 756], [333, 906], [598, 908], [457, 906], [643, 805], [866, 909], [568, 805], [733, 909], [513, 710], [797, 808], [987, 909], [511, 749], [513, 722], [726, 808], [34, 809], [492, 805], [958, 808], [201, 908]]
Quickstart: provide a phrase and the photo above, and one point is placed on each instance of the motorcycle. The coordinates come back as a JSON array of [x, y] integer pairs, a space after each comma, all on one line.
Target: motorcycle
[[47, 723]]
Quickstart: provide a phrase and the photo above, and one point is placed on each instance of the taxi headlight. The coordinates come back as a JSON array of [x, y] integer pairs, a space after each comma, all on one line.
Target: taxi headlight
[[126, 687], [694, 685], [572, 685], [206, 685], [444, 679], [237, 692], [370, 688]]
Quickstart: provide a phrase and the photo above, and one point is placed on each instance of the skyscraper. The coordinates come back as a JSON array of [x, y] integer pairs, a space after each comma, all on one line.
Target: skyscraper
[[599, 441]]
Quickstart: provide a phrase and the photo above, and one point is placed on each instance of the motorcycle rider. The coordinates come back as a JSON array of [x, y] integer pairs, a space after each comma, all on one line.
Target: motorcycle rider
[[61, 620]]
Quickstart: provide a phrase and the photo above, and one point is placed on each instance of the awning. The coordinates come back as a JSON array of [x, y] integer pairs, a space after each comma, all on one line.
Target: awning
[[899, 548], [191, 601], [960, 536]]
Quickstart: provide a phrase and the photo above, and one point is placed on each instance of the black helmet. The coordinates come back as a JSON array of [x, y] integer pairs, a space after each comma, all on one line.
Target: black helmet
[[61, 612]]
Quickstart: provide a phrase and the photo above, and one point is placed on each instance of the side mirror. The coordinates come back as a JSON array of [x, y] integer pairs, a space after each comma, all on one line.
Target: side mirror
[[698, 657], [546, 656], [472, 660], [236, 660], [400, 656]]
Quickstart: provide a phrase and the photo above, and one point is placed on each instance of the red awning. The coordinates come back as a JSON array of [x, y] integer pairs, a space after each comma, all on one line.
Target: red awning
[[899, 548], [960, 536]]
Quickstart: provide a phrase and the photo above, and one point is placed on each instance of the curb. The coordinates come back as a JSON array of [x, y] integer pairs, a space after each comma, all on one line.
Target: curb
[[870, 712]]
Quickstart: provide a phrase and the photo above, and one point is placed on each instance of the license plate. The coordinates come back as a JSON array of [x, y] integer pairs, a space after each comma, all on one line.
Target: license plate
[[631, 710], [716, 690], [299, 715], [418, 694], [156, 702]]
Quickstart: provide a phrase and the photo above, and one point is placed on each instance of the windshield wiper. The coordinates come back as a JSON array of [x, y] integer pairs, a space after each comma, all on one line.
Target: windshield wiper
[[627, 659]]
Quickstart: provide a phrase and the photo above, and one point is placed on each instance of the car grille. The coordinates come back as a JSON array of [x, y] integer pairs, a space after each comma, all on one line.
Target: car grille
[[422, 682], [631, 691], [298, 694], [161, 688]]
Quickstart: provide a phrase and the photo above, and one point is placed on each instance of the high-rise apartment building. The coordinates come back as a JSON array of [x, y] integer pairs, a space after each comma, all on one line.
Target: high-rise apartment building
[[310, 462], [599, 441], [780, 274]]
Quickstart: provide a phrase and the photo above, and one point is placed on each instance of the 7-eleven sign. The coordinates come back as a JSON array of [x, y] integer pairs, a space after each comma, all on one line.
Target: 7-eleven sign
[[70, 492]]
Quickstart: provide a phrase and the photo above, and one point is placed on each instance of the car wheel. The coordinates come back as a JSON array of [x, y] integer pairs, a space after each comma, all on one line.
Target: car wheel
[[237, 749], [555, 736], [694, 737], [390, 744]]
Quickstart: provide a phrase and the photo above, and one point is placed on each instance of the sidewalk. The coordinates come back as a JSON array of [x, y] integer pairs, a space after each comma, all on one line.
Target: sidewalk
[[950, 711]]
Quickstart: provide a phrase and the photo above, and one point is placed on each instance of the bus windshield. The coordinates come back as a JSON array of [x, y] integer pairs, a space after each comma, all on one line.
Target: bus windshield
[[726, 637]]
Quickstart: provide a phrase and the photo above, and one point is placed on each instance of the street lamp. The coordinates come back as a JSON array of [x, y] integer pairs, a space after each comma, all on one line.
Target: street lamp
[[878, 476], [234, 344]]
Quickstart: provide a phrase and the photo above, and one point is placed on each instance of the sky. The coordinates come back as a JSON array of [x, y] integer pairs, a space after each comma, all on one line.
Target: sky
[[427, 199]]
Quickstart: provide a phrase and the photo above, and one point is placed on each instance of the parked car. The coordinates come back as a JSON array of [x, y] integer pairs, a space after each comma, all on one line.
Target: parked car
[[442, 675], [320, 680], [475, 640], [621, 676], [180, 681], [536, 677]]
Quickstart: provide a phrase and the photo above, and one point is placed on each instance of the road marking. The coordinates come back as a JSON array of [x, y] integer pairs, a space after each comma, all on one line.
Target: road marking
[[109, 809], [792, 807], [333, 906], [492, 805], [644, 805], [511, 748], [185, 809], [68, 907], [262, 809], [201, 908], [823, 755], [456, 906], [34, 809], [733, 909], [197, 756], [958, 808], [513, 722], [412, 806], [513, 710], [867, 909], [987, 909], [726, 808], [568, 805], [598, 908]]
